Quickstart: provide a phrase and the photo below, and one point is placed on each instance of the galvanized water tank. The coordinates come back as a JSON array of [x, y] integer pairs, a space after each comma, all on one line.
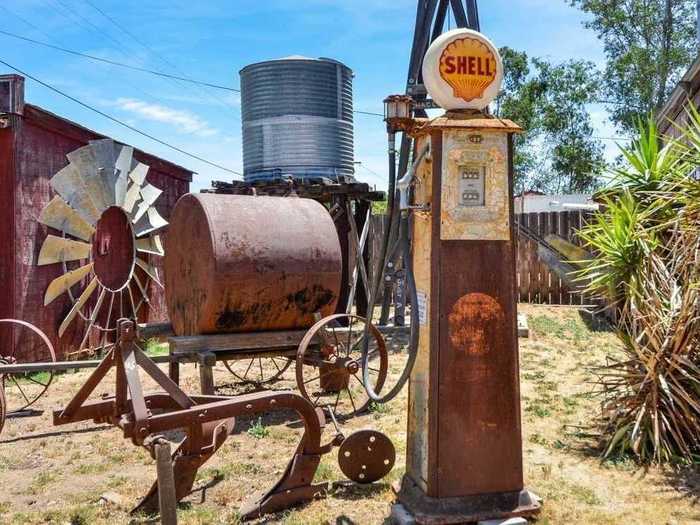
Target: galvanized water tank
[[236, 263], [297, 119]]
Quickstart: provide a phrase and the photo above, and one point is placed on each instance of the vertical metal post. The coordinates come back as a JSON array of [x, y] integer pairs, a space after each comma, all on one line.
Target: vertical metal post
[[167, 500]]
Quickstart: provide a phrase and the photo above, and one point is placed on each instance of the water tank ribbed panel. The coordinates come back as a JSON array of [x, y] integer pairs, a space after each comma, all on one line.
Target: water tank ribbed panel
[[297, 119]]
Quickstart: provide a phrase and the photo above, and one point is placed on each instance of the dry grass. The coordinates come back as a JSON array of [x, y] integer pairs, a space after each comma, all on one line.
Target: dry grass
[[57, 475]]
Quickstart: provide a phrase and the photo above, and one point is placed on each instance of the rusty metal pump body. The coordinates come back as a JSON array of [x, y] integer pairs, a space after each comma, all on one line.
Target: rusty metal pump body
[[237, 263]]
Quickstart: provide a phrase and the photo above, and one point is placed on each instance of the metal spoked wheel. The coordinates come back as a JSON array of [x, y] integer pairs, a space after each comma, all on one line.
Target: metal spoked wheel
[[258, 370], [329, 364], [24, 389]]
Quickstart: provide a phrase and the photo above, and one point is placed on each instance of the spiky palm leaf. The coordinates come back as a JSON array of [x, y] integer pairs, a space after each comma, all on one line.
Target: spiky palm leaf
[[647, 265]]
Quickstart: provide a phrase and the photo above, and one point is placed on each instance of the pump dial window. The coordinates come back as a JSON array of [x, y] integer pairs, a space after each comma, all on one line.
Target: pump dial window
[[472, 185]]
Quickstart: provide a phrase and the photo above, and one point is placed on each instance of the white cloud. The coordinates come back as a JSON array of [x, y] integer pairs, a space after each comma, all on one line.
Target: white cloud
[[184, 121]]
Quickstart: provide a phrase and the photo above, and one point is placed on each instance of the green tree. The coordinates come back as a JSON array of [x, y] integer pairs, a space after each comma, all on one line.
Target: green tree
[[649, 44], [557, 153]]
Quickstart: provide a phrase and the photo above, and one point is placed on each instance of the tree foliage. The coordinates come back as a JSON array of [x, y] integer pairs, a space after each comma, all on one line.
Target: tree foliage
[[557, 153], [649, 44]]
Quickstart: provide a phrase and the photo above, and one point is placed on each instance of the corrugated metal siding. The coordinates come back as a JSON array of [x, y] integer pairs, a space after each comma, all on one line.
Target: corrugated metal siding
[[297, 119]]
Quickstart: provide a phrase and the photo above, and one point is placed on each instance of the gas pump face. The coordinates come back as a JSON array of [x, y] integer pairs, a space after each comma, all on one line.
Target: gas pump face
[[475, 186]]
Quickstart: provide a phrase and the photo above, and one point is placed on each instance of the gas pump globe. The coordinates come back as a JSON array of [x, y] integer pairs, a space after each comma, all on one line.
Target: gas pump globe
[[464, 450]]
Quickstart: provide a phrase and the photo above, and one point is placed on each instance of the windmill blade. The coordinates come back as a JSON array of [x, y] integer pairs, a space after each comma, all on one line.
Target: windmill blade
[[149, 195], [138, 174], [93, 317], [142, 289], [57, 249], [151, 245], [69, 184], [149, 223], [86, 163], [59, 216], [65, 282], [122, 166], [151, 271], [105, 159], [132, 196], [84, 297]]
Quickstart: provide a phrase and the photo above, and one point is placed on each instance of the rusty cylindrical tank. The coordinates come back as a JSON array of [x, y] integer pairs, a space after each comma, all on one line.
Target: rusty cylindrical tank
[[236, 263]]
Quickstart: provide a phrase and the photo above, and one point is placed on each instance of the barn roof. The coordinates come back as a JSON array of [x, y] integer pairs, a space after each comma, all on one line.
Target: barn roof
[[686, 89]]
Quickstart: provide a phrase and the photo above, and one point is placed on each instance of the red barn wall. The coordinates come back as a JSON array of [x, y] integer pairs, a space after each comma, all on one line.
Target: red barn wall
[[32, 149]]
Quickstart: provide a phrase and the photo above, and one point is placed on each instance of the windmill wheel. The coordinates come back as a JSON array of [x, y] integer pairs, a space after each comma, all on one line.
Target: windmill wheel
[[329, 364], [104, 210], [258, 370], [22, 390]]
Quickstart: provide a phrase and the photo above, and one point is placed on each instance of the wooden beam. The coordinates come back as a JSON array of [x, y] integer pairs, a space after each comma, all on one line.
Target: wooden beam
[[242, 341]]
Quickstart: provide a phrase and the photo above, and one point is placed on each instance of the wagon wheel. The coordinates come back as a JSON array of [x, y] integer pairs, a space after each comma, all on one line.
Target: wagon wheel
[[258, 370], [329, 364], [23, 389]]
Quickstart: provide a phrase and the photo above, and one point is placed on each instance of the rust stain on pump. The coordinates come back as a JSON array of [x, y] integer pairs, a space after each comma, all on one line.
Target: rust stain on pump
[[237, 263], [471, 317]]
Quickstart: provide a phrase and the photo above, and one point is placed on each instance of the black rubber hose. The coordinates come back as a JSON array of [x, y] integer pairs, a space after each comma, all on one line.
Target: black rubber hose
[[415, 324], [378, 274]]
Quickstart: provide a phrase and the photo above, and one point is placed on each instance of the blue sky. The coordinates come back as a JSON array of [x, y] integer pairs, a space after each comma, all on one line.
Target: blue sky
[[213, 39]]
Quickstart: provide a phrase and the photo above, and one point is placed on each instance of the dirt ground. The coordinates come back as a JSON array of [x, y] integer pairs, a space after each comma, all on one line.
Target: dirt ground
[[86, 473]]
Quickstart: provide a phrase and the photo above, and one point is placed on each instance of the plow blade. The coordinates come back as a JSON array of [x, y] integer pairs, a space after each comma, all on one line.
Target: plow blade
[[187, 460]]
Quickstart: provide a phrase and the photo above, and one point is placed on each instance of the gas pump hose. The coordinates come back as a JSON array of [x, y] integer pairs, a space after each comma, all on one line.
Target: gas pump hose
[[405, 249]]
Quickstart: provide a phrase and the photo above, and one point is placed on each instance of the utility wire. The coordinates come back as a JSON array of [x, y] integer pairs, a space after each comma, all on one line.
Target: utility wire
[[96, 29], [137, 68], [114, 63], [117, 121], [27, 22], [119, 26], [362, 165], [73, 19], [115, 23]]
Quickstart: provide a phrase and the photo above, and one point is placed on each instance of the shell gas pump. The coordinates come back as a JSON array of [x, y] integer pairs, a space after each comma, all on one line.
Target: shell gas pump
[[464, 449]]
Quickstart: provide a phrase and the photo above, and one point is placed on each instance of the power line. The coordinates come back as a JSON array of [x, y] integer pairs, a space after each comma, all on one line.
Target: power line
[[119, 26], [362, 165], [369, 113], [117, 121], [27, 22], [114, 63], [61, 11], [140, 69], [616, 139], [93, 27]]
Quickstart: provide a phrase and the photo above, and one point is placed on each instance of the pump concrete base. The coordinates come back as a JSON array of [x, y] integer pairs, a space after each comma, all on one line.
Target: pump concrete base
[[470, 509]]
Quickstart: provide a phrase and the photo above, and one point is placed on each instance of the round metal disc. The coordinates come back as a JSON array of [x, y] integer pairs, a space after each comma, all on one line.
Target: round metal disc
[[366, 456]]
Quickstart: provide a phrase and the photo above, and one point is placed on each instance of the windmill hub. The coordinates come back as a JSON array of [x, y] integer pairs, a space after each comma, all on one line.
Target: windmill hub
[[113, 249]]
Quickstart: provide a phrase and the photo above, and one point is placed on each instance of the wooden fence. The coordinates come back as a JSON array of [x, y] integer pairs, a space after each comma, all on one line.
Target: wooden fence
[[537, 283]]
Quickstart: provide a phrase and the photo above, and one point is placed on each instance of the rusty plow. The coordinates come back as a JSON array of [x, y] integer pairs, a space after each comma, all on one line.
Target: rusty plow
[[206, 421]]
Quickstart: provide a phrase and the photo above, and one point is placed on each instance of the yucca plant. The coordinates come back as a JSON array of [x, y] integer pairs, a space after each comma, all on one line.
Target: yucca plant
[[647, 267]]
